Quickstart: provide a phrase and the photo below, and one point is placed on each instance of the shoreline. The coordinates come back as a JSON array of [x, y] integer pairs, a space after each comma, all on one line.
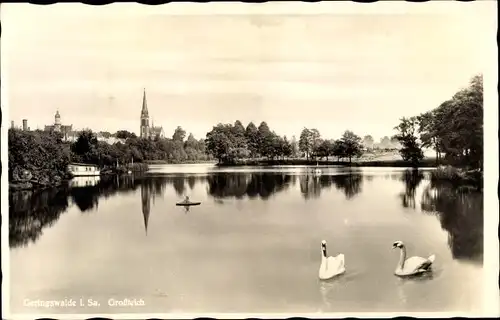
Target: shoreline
[[34, 185], [444, 174], [426, 163]]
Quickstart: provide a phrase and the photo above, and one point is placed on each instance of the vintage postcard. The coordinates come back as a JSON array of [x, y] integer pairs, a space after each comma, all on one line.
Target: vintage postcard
[[236, 160]]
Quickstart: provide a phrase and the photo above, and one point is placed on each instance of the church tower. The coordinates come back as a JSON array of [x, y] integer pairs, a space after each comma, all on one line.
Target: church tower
[[144, 133], [57, 122]]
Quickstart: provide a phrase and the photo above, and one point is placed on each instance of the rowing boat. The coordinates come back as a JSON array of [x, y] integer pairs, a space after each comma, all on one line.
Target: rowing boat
[[188, 203]]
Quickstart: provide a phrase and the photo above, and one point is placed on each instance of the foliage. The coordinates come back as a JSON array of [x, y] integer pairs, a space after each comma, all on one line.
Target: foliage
[[455, 128], [37, 156], [411, 150], [309, 142], [124, 134], [351, 145], [457, 176], [232, 144], [43, 157]]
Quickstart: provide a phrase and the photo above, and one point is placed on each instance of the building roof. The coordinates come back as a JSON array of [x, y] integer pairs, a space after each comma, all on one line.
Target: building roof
[[144, 111], [156, 129], [83, 164]]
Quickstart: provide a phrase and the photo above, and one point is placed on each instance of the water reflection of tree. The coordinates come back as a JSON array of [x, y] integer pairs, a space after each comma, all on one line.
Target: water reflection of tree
[[461, 215], [261, 185], [30, 213], [191, 182], [349, 184], [86, 198], [412, 179], [310, 186], [179, 185]]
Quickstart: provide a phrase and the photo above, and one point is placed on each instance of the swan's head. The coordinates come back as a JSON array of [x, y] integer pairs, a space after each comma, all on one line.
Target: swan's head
[[323, 247], [398, 244]]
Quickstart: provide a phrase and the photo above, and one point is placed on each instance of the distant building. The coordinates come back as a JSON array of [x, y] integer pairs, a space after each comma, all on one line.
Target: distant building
[[66, 130], [145, 130], [83, 169], [25, 125], [109, 140], [12, 126]]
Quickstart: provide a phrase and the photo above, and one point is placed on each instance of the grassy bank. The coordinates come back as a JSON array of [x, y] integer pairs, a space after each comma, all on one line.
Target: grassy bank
[[458, 177], [132, 167], [179, 162], [426, 163]]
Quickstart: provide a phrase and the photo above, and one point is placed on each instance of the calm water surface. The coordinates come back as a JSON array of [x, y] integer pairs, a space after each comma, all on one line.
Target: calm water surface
[[253, 245]]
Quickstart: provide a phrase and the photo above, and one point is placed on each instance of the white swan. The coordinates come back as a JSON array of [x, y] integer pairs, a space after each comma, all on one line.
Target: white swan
[[330, 266], [413, 265]]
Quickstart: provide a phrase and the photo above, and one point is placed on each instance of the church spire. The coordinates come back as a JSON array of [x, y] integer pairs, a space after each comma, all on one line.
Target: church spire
[[144, 111]]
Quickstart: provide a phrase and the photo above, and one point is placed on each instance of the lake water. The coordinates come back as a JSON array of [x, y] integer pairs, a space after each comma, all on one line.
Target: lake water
[[253, 245]]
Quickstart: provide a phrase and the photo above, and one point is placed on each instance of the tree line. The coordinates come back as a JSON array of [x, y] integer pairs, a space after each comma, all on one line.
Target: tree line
[[43, 156], [88, 149], [454, 129], [231, 142]]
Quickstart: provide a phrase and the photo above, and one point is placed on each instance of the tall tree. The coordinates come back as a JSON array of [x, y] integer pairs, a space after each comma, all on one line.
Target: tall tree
[[351, 144], [85, 147], [264, 138], [305, 142], [218, 143], [315, 140], [294, 147], [179, 134], [238, 133], [252, 137], [411, 150], [338, 149]]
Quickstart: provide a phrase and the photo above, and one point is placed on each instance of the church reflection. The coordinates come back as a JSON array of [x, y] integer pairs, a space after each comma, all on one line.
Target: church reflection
[[146, 204]]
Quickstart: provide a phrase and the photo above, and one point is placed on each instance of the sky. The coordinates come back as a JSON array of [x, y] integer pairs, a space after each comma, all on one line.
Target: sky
[[330, 68]]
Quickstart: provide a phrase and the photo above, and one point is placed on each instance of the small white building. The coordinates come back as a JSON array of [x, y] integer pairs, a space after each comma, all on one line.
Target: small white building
[[83, 169]]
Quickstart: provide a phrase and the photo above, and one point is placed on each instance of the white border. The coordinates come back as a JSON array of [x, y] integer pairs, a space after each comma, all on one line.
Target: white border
[[491, 207]]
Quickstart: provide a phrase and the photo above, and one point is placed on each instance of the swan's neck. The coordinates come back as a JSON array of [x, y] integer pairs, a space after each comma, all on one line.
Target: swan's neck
[[402, 258], [323, 253]]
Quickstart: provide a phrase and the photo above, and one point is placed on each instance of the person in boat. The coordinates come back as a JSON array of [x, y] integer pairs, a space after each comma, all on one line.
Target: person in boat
[[186, 200]]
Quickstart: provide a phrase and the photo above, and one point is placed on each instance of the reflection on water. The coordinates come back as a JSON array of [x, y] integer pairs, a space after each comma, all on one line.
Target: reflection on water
[[252, 185], [460, 213], [375, 206], [411, 179], [30, 213], [349, 184]]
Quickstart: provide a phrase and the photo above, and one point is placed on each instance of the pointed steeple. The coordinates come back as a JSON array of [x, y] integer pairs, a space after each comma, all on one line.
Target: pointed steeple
[[146, 220], [146, 205], [144, 111]]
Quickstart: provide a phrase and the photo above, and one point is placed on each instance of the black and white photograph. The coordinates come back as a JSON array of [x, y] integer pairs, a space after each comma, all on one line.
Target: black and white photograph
[[236, 160]]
